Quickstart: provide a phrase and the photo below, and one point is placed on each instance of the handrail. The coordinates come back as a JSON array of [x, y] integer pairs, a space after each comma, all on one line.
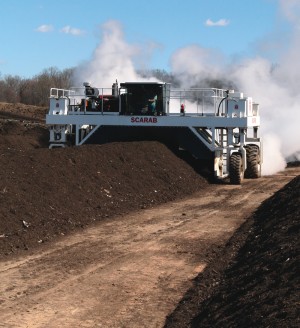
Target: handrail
[[197, 101], [60, 93]]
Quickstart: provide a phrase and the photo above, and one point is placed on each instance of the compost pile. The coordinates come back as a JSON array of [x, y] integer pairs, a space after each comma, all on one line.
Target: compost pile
[[46, 194], [259, 287]]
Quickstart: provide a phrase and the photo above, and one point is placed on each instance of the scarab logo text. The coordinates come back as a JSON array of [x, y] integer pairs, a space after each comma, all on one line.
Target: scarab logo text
[[137, 119]]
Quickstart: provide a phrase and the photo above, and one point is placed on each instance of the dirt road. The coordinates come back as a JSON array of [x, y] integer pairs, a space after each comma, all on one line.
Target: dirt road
[[128, 271]]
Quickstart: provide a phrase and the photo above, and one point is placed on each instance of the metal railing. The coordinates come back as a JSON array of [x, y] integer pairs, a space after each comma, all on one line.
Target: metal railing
[[60, 93], [198, 101]]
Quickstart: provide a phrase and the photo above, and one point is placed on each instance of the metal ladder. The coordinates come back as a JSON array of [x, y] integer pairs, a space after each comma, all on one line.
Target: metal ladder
[[223, 137]]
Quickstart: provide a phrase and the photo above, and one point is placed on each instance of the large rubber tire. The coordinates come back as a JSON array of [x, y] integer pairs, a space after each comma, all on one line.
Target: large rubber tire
[[253, 170], [236, 171]]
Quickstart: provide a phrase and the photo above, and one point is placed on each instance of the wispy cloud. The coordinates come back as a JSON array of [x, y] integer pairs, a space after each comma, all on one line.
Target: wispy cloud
[[44, 28], [220, 22], [72, 30]]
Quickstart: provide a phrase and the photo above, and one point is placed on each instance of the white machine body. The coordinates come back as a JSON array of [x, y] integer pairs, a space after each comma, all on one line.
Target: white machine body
[[208, 122]]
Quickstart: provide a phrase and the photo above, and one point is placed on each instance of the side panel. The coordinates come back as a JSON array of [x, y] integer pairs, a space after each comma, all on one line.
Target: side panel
[[58, 106]]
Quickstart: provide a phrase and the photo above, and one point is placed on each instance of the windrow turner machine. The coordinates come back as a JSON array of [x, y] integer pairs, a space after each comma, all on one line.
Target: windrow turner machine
[[221, 125]]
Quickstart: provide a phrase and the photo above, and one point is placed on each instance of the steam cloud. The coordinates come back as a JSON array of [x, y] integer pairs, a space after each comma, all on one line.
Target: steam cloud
[[274, 87], [112, 59]]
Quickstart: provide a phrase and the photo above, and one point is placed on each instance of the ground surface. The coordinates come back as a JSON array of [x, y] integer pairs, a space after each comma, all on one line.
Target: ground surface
[[85, 242], [259, 287]]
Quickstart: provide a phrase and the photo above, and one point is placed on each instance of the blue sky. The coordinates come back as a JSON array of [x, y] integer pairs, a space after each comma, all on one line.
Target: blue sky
[[37, 34]]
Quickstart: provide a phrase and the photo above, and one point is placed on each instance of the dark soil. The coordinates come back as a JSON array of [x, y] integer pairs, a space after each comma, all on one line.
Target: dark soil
[[22, 112], [46, 194], [259, 285]]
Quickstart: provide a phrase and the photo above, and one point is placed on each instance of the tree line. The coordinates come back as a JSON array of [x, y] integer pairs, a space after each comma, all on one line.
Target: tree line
[[35, 90]]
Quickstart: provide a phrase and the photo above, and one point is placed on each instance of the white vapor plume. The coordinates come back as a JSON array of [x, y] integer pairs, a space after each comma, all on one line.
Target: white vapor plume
[[112, 59], [274, 86], [291, 10], [193, 62], [280, 108]]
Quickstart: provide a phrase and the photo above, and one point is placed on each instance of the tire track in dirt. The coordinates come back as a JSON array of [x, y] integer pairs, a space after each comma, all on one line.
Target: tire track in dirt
[[131, 270]]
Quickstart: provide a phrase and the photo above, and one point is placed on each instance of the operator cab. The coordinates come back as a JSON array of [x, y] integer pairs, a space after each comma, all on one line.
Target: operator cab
[[144, 98]]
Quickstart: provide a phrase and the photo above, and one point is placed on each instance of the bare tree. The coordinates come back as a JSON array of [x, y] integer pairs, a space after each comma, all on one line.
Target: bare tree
[[51, 77], [34, 91], [10, 88]]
